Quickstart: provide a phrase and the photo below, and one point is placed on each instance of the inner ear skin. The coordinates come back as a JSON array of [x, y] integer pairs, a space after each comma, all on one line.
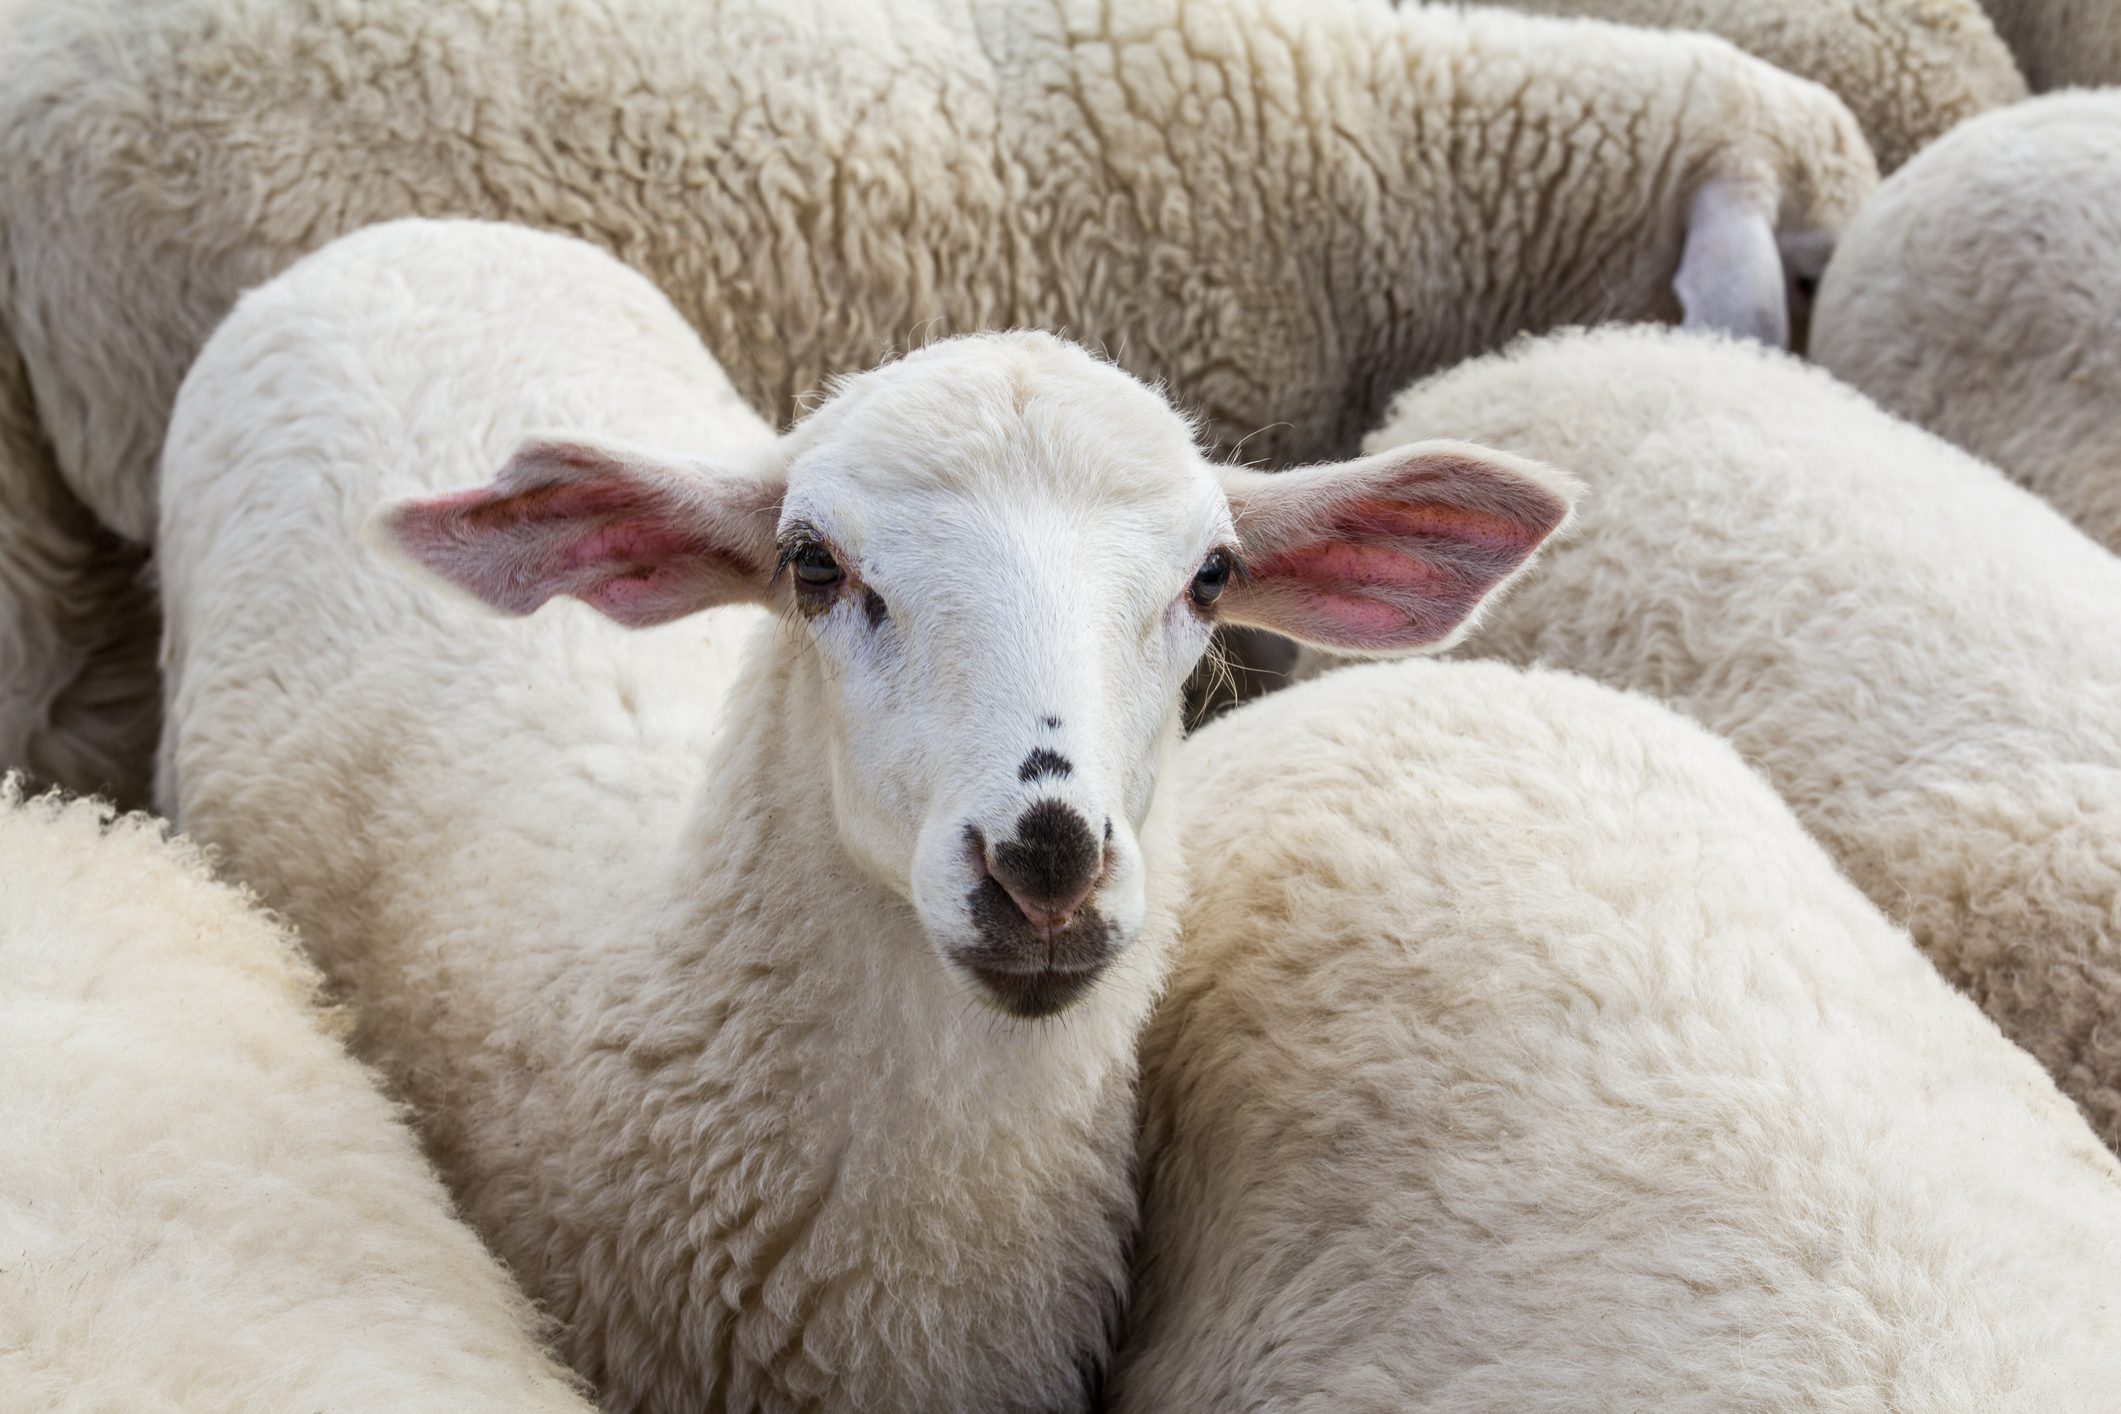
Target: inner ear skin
[[1394, 566], [1393, 544], [1452, 526], [564, 501], [1416, 560], [645, 575]]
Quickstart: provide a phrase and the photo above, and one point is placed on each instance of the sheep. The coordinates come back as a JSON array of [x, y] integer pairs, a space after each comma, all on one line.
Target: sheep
[[205, 1203], [1523, 1053], [1925, 660], [1978, 293], [1908, 69], [1281, 210], [768, 981], [2060, 43]]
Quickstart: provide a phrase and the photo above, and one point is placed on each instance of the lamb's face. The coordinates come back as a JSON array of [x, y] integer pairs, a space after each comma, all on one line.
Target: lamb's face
[[1008, 557]]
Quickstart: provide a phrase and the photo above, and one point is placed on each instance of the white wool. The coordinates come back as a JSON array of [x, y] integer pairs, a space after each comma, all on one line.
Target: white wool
[[1923, 658], [1908, 69], [1524, 1054], [1979, 294], [2062, 42], [205, 1203], [739, 1162], [1281, 210], [674, 937]]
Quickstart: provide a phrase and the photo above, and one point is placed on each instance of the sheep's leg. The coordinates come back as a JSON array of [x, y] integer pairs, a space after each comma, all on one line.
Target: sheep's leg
[[79, 692], [1730, 276]]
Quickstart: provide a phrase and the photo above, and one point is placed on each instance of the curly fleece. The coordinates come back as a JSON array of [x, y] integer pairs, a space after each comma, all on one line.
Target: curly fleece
[[1281, 209], [2062, 43], [1923, 657], [1524, 1054], [1908, 69], [1979, 294], [205, 1203]]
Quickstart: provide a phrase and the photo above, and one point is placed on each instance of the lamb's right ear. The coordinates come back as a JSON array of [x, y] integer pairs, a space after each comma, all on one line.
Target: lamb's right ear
[[1730, 274], [644, 536]]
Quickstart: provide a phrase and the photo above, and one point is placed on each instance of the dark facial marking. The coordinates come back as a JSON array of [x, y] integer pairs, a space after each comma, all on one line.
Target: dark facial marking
[[873, 606], [1027, 975], [1053, 723], [1042, 762], [1035, 992], [1053, 855]]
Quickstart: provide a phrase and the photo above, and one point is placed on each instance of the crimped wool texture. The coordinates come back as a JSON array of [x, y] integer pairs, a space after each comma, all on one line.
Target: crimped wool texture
[[696, 1075], [1908, 69], [1923, 658], [1281, 209], [205, 1203], [1979, 294], [2060, 43], [1524, 1054]]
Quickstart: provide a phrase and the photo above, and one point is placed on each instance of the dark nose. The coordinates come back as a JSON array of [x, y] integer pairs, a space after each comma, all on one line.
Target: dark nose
[[1053, 864]]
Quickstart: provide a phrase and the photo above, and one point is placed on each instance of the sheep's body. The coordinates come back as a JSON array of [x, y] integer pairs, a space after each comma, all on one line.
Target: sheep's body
[[204, 1202], [1979, 292], [1908, 69], [1280, 209], [2062, 43], [1525, 1054], [688, 1067], [1925, 660]]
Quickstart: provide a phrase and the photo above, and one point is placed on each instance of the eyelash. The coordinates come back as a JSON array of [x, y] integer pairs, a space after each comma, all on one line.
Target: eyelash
[[792, 542], [813, 597]]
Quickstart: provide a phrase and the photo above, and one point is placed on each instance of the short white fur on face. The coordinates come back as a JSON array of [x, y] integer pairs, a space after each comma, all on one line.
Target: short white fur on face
[[1006, 557], [1007, 642]]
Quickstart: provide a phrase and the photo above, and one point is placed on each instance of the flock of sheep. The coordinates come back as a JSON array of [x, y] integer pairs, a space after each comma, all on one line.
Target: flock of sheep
[[693, 891]]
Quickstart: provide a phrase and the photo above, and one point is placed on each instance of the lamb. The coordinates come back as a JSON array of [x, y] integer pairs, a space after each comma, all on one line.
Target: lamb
[[2062, 43], [1977, 294], [1525, 1054], [1280, 210], [1923, 658], [1908, 69], [205, 1203], [768, 980]]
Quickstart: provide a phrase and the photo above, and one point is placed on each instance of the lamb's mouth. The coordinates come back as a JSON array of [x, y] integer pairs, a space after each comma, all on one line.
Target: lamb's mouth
[[1024, 971], [1031, 992]]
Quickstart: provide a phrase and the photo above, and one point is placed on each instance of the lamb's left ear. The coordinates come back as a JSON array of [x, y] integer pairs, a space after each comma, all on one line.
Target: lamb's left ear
[[644, 536], [1391, 553]]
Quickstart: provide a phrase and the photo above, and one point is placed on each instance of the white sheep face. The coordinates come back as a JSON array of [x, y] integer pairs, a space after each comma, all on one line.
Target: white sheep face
[[1008, 555], [1003, 559]]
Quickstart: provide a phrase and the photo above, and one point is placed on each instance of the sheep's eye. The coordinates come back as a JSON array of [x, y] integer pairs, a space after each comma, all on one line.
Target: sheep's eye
[[815, 568], [1210, 579]]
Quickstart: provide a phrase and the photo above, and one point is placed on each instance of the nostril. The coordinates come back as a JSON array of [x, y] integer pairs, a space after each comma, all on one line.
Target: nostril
[[1052, 866], [1049, 912]]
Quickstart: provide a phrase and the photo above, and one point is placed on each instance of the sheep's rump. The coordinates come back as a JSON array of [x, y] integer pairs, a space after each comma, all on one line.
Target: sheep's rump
[[205, 1203], [1923, 657]]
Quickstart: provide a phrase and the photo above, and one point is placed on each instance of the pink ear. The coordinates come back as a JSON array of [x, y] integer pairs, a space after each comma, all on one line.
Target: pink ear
[[1390, 553], [646, 538]]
